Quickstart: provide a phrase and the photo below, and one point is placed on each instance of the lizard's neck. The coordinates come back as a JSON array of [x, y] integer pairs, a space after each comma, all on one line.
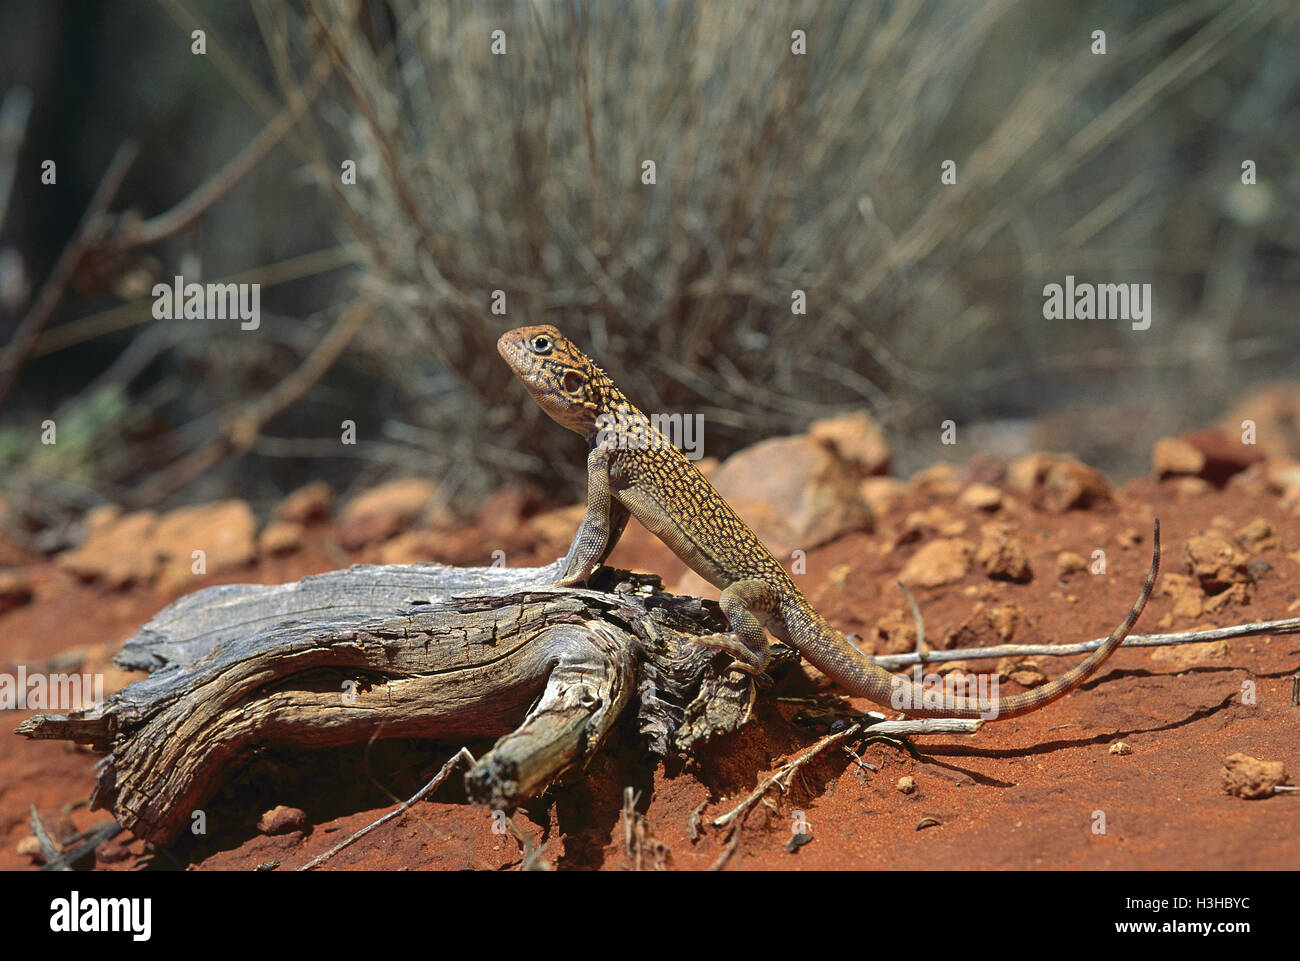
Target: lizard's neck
[[613, 409]]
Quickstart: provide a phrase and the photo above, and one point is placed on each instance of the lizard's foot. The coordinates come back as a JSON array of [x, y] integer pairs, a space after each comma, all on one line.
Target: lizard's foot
[[577, 572], [577, 575], [747, 660]]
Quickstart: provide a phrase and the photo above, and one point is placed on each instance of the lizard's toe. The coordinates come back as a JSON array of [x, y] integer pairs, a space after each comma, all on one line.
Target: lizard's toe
[[746, 660]]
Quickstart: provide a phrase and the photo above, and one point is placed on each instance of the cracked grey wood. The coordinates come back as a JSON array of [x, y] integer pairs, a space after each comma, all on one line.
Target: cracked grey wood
[[414, 651]]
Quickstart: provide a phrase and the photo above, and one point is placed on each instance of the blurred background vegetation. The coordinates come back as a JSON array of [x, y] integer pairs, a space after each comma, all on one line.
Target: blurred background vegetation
[[522, 173]]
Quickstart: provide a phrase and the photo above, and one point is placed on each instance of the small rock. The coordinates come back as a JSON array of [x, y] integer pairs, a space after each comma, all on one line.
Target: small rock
[[384, 511], [858, 439], [906, 784], [1002, 556], [1258, 570], [1005, 619], [1028, 676], [937, 563], [1129, 538], [1258, 535], [226, 532], [1282, 474], [1188, 602], [895, 633], [1249, 777], [1057, 483], [984, 469], [100, 517], [1223, 454], [794, 492], [1173, 455], [974, 630], [1121, 748], [1274, 411], [1023, 672], [797, 841], [281, 820], [937, 480], [881, 493], [1188, 487], [1238, 595], [30, 847], [15, 591], [1215, 563], [280, 537], [981, 497], [309, 503], [119, 553], [1181, 656], [1067, 563], [933, 520], [415, 547]]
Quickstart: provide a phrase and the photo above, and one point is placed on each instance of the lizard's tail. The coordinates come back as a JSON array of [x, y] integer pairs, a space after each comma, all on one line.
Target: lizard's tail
[[916, 700]]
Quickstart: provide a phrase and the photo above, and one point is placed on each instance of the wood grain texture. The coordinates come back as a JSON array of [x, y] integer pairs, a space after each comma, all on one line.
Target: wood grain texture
[[412, 651]]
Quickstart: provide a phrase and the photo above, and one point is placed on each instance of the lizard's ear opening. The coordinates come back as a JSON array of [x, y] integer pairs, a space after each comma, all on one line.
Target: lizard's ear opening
[[573, 381]]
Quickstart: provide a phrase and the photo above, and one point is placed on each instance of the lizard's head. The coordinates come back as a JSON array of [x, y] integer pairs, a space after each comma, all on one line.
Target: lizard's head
[[561, 378]]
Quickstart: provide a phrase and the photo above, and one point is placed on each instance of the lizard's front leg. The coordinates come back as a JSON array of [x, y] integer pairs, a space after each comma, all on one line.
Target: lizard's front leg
[[747, 641], [601, 526]]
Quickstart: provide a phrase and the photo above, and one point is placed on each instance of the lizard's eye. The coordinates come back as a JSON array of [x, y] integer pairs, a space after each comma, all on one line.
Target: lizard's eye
[[573, 381], [541, 344]]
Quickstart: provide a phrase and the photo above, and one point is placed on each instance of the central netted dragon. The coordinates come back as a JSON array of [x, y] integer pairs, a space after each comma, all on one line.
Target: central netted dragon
[[632, 469]]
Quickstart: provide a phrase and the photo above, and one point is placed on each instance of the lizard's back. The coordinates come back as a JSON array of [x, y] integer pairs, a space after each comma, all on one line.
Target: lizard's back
[[673, 500]]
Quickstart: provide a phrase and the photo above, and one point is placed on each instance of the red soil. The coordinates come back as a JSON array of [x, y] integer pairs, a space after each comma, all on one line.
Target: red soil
[[1019, 794]]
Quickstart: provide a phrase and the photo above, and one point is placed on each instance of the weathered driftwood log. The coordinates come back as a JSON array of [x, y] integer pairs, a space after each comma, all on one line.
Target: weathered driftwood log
[[413, 651]]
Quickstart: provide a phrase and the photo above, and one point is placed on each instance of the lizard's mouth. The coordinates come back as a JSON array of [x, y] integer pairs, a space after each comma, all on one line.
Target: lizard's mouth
[[513, 348]]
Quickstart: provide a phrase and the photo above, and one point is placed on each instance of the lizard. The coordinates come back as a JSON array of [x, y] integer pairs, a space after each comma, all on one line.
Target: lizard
[[634, 470]]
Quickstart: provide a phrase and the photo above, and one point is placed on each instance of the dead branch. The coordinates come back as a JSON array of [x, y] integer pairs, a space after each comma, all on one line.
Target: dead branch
[[136, 312], [185, 213], [240, 433], [87, 234], [414, 651], [460, 757], [893, 662], [781, 777]]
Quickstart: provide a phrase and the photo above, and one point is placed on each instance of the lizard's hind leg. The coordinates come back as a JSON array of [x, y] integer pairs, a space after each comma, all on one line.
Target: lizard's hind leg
[[746, 641]]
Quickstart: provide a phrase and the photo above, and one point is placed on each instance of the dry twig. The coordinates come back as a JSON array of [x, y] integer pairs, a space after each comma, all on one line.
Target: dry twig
[[460, 757]]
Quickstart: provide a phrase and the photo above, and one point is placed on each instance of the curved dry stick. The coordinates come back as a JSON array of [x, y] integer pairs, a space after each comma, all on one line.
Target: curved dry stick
[[87, 233], [207, 194], [240, 434]]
